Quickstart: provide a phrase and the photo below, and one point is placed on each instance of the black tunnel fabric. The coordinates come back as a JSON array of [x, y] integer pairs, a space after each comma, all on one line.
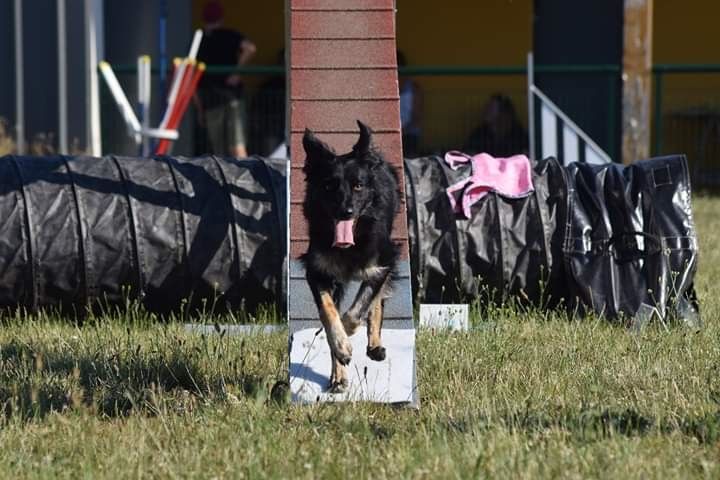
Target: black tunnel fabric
[[506, 247], [204, 233], [208, 233], [631, 245], [608, 239]]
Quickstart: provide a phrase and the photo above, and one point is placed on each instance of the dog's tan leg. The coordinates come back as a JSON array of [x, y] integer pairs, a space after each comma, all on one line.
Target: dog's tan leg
[[375, 350], [339, 377], [336, 336]]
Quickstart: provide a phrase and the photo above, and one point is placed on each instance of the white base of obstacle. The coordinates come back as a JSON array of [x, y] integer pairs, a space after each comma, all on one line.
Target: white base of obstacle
[[389, 381]]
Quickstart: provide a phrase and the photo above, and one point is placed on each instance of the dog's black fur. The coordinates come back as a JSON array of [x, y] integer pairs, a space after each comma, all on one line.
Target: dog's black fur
[[362, 186]]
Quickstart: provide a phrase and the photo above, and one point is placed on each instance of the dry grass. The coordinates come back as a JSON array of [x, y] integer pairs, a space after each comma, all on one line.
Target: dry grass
[[524, 395], [7, 144], [41, 143]]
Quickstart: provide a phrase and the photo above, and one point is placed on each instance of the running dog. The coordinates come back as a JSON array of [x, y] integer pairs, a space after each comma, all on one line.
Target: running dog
[[350, 203]]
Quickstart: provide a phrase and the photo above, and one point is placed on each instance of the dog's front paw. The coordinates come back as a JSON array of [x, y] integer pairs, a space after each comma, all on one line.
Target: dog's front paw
[[340, 346], [350, 323], [376, 353]]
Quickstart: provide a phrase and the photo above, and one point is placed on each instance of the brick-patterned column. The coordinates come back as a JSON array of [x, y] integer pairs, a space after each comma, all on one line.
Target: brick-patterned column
[[343, 68]]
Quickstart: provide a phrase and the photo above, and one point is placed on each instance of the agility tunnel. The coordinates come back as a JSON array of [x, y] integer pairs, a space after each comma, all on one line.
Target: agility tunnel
[[507, 247], [614, 240], [174, 233], [209, 233]]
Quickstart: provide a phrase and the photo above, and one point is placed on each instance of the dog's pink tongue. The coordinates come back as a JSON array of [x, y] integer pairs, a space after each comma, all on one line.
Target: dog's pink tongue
[[344, 234]]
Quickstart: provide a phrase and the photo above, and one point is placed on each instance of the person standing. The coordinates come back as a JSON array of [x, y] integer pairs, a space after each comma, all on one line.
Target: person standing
[[220, 100], [500, 132]]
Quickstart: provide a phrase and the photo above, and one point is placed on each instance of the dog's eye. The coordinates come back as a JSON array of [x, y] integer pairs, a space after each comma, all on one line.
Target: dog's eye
[[331, 185], [357, 187]]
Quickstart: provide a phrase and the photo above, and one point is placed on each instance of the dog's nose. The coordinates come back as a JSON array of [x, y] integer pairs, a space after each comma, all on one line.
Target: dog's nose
[[348, 211]]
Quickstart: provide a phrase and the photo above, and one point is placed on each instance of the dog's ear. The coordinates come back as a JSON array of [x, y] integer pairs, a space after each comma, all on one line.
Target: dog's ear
[[315, 149], [362, 147], [364, 150]]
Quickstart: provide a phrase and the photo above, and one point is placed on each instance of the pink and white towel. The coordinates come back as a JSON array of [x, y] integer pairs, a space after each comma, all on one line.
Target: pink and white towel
[[510, 177]]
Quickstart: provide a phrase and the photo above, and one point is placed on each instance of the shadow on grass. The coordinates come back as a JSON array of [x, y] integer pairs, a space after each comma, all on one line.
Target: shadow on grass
[[37, 380], [591, 425]]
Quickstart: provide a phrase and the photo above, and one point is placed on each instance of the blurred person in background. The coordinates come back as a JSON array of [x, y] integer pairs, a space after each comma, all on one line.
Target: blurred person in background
[[500, 132], [220, 101]]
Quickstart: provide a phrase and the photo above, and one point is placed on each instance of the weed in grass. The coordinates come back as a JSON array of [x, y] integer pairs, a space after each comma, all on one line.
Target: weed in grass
[[7, 144]]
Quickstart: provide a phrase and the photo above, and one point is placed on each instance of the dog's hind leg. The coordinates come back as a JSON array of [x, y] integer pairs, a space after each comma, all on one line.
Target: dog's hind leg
[[375, 350], [338, 293], [368, 306], [359, 310]]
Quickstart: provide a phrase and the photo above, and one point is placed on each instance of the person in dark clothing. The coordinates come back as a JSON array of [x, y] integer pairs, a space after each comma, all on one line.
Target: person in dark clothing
[[500, 133], [220, 100]]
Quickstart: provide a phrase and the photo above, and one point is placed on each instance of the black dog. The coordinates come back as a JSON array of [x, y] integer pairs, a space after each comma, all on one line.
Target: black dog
[[350, 203]]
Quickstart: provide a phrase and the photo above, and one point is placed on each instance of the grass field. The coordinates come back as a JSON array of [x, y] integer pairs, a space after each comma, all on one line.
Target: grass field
[[524, 395]]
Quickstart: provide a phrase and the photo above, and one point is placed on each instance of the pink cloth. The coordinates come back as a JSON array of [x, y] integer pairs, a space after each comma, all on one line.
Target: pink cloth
[[510, 177]]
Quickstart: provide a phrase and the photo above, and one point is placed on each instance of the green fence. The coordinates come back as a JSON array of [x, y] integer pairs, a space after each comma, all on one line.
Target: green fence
[[686, 117], [686, 106]]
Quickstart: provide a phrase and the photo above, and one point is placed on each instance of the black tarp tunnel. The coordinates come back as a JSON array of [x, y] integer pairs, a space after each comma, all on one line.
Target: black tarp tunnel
[[614, 240], [175, 233], [210, 234]]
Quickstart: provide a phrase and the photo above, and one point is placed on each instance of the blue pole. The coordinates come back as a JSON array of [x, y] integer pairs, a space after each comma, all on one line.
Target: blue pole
[[162, 57]]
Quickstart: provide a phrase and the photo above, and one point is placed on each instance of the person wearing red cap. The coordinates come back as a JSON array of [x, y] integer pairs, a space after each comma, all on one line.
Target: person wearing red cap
[[220, 100]]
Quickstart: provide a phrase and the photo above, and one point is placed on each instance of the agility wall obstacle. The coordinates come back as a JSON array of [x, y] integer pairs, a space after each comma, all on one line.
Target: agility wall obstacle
[[343, 68]]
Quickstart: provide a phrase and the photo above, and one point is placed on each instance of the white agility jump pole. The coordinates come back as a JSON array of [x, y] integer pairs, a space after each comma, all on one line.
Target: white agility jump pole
[[120, 98], [127, 112]]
